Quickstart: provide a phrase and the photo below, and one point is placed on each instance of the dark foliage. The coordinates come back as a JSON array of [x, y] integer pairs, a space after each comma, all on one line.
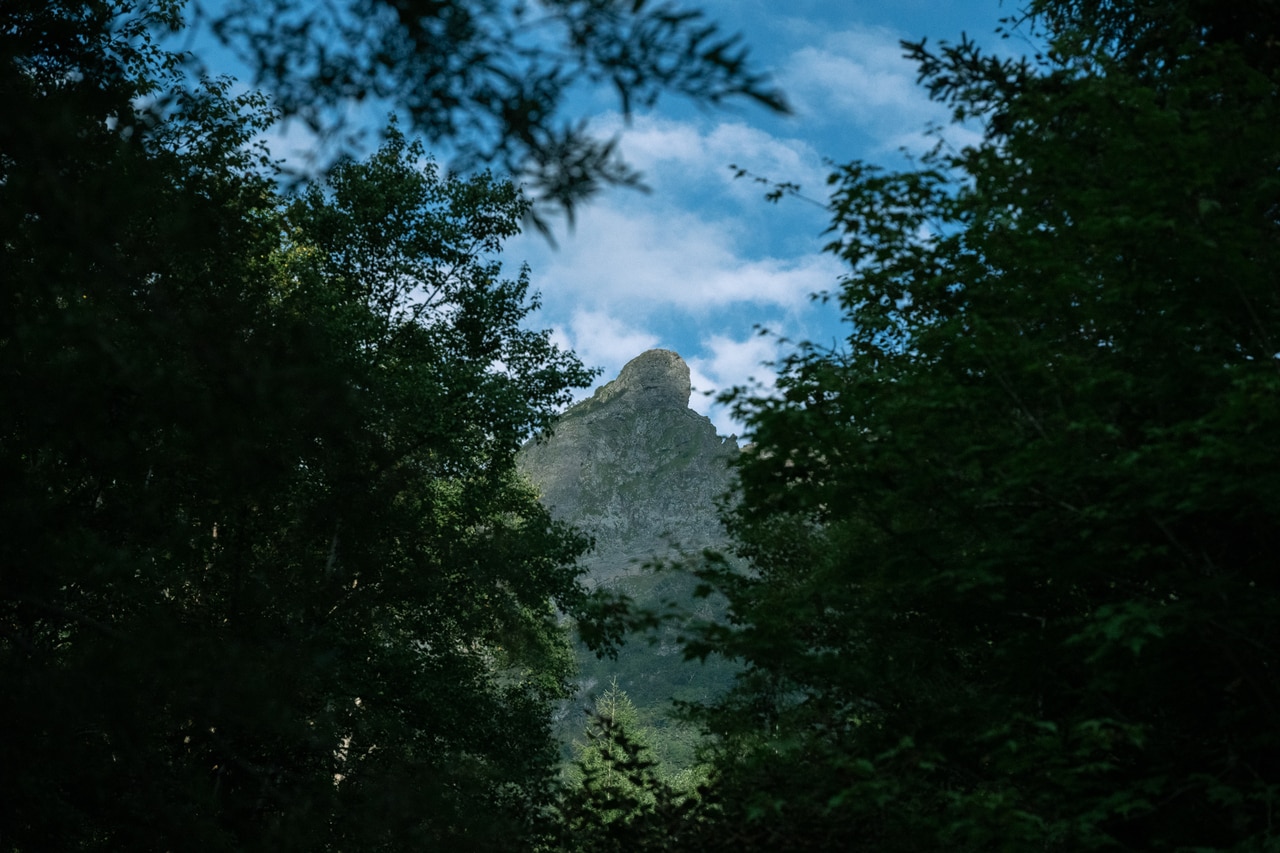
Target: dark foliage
[[1014, 545], [489, 79], [268, 580]]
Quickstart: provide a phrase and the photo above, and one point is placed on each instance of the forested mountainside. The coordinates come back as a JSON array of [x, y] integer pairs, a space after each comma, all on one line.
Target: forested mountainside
[[644, 475]]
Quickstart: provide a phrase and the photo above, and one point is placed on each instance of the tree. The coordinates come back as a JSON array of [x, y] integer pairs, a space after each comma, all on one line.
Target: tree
[[488, 80], [601, 758], [1013, 545], [269, 578], [617, 799]]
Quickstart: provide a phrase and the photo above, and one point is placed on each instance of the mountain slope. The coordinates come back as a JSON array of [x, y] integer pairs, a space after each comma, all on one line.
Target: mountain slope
[[637, 468], [642, 473]]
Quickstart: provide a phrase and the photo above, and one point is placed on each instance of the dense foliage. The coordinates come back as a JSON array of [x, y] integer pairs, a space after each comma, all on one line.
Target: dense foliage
[[268, 579], [1015, 543], [620, 799]]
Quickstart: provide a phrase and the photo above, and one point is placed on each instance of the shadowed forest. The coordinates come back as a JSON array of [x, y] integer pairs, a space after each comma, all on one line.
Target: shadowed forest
[[1005, 560]]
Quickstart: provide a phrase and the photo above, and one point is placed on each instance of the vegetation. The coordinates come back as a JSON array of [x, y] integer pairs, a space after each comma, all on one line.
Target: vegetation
[[1014, 543], [487, 80], [652, 673], [268, 580], [620, 798]]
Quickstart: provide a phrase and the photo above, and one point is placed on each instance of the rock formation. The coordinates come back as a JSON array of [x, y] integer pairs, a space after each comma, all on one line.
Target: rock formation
[[641, 472], [636, 468]]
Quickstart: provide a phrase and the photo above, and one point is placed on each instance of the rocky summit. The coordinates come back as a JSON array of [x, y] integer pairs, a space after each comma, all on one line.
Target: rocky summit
[[636, 468], [642, 473]]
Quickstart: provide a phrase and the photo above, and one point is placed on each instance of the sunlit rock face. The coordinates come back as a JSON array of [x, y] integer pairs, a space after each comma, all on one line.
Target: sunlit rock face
[[656, 379], [636, 468]]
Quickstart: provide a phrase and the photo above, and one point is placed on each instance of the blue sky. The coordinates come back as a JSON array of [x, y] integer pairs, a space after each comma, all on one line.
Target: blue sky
[[701, 261]]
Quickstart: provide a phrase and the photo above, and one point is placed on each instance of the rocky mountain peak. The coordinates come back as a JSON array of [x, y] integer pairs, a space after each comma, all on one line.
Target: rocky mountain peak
[[643, 474], [655, 378], [635, 467]]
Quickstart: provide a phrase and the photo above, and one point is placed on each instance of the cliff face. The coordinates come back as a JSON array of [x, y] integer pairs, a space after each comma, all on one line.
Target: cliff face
[[640, 471], [635, 467]]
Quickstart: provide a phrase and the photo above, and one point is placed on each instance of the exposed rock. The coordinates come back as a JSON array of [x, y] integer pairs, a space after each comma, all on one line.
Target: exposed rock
[[635, 467], [654, 379]]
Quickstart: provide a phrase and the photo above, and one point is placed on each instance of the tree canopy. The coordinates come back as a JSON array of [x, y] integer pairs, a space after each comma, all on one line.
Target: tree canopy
[[268, 578], [1014, 542]]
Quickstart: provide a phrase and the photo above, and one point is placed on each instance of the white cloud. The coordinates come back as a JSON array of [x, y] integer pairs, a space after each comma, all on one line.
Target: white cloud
[[694, 265], [731, 363], [603, 341], [700, 241], [860, 73], [662, 258], [673, 153], [860, 77]]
